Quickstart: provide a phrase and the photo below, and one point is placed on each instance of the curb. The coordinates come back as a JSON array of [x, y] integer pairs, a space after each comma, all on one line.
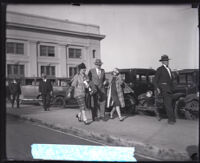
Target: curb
[[144, 149]]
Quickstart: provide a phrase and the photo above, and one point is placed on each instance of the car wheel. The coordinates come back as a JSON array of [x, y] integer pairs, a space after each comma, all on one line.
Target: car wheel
[[130, 104], [192, 110], [59, 101], [40, 100], [179, 109]]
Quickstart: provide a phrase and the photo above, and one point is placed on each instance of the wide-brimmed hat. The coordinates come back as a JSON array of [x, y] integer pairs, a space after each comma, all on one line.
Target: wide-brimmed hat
[[81, 66], [164, 58], [98, 62]]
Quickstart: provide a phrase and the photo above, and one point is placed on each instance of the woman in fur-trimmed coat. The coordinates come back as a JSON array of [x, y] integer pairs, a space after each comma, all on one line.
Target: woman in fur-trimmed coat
[[115, 96]]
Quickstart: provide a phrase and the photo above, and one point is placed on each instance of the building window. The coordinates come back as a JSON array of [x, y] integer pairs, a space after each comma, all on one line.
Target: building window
[[75, 53], [48, 70], [72, 71], [47, 51], [15, 70], [14, 48], [93, 53]]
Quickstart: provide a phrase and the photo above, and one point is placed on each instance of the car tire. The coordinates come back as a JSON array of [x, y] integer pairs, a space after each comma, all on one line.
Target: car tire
[[130, 104], [40, 100], [178, 109], [191, 108], [59, 101]]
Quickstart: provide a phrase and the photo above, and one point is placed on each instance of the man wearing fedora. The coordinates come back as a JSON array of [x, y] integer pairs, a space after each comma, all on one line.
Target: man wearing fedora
[[97, 76], [163, 82]]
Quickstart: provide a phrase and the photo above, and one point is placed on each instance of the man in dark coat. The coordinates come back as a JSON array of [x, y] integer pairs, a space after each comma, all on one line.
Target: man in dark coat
[[163, 82], [8, 98], [97, 76], [46, 90], [15, 91]]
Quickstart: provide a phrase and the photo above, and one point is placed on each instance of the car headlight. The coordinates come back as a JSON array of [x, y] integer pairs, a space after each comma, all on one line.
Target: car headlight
[[149, 94]]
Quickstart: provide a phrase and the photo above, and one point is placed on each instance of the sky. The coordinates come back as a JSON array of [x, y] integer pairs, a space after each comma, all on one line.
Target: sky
[[136, 35]]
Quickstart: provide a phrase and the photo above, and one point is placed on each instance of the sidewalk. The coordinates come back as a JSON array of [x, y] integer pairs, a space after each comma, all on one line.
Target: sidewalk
[[149, 137]]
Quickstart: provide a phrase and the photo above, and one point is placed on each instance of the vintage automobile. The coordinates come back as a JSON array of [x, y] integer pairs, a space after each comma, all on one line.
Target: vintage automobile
[[140, 81], [30, 93], [185, 96], [187, 82]]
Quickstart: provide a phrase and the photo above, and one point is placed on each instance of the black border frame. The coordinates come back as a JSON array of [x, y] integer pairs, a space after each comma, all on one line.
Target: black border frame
[[3, 4]]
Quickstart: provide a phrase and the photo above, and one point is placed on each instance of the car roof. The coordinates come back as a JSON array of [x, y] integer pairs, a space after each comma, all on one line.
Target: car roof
[[185, 71], [141, 71]]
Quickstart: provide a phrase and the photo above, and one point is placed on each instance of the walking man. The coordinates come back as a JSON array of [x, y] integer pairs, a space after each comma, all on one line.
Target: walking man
[[163, 82], [15, 91], [46, 90], [97, 76]]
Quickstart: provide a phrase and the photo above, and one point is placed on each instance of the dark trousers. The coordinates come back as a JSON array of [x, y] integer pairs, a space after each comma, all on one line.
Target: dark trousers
[[95, 107], [99, 100], [167, 98], [46, 98], [15, 97]]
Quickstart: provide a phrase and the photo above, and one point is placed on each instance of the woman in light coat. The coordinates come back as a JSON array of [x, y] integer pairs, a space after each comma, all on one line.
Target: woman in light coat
[[115, 96]]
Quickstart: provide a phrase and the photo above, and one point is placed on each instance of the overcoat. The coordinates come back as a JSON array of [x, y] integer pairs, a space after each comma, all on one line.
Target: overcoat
[[78, 85], [45, 87], [120, 94], [98, 81], [163, 80], [15, 88]]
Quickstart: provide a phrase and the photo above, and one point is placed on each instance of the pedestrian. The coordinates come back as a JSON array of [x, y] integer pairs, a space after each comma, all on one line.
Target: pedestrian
[[115, 96], [15, 91], [79, 85], [97, 76], [46, 91], [8, 98], [163, 82]]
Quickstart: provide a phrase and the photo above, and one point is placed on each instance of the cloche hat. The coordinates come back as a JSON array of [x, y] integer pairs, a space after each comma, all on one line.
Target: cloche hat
[[81, 66]]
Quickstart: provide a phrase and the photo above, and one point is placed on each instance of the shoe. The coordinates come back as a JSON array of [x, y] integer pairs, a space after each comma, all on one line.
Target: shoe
[[159, 118], [86, 122], [96, 119], [79, 118], [171, 122], [103, 118], [121, 119]]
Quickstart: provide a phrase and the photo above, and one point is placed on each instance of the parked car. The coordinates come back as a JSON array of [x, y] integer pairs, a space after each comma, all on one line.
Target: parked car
[[30, 93], [187, 82], [185, 96], [140, 81]]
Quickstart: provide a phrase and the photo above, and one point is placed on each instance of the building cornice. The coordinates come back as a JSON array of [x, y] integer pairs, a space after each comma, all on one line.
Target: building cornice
[[26, 27], [53, 19]]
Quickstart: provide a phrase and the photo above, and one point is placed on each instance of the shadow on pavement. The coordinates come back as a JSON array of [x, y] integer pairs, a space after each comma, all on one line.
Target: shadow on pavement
[[192, 151]]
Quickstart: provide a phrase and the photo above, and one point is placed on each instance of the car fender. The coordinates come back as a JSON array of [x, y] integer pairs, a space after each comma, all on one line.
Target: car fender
[[177, 96], [191, 97]]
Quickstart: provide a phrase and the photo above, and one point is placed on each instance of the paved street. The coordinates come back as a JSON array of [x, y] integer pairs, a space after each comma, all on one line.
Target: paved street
[[21, 134]]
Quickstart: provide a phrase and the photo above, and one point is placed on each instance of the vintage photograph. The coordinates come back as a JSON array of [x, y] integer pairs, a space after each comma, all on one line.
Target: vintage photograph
[[102, 76]]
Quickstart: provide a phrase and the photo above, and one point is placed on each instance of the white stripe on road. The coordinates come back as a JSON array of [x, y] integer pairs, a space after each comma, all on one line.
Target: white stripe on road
[[42, 126]]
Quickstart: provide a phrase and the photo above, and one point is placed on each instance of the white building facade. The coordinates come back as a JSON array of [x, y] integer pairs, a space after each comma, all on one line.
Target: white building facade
[[37, 44]]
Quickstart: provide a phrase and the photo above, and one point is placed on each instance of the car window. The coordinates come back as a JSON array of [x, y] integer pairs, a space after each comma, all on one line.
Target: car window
[[126, 76], [143, 79], [182, 79], [151, 78], [190, 79]]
